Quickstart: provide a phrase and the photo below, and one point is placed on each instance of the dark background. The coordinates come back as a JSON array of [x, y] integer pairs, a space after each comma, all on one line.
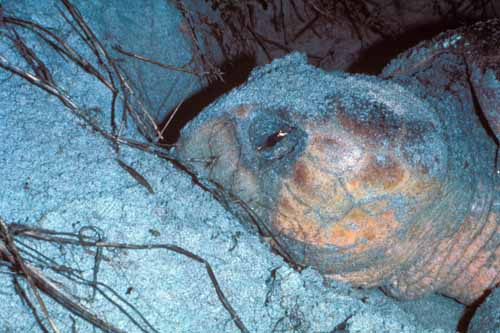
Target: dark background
[[358, 36]]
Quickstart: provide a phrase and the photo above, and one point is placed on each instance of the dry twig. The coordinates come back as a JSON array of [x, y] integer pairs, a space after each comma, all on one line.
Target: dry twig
[[62, 238], [113, 77]]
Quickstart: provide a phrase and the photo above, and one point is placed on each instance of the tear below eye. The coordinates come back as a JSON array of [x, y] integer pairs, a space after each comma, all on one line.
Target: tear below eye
[[273, 139]]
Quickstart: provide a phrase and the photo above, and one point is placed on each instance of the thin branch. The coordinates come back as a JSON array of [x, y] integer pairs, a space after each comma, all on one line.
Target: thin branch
[[98, 49], [24, 297], [9, 252], [36, 281], [173, 113], [68, 238], [89, 36], [60, 46], [71, 274], [136, 175], [39, 83], [52, 89], [118, 49]]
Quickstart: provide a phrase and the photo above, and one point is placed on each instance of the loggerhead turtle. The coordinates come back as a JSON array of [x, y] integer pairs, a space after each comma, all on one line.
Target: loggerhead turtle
[[387, 181]]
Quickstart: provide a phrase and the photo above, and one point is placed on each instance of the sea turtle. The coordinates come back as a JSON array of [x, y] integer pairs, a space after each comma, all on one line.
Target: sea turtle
[[386, 180]]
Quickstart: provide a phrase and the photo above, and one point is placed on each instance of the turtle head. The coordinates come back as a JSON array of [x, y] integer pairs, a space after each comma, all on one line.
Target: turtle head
[[347, 173]]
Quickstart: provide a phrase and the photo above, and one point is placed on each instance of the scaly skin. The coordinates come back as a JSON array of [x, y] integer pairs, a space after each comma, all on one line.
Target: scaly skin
[[469, 262], [380, 181]]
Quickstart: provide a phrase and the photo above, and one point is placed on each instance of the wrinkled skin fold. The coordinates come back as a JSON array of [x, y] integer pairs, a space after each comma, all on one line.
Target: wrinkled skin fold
[[379, 181]]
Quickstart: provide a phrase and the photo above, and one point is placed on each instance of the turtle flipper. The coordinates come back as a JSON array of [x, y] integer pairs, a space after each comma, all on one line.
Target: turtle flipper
[[478, 46], [486, 88], [483, 59]]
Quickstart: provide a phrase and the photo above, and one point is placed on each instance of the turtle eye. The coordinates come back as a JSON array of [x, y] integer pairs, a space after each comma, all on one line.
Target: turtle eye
[[276, 142], [273, 139]]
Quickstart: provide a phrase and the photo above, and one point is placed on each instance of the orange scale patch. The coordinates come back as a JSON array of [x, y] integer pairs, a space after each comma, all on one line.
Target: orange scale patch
[[292, 220], [376, 207], [314, 187], [374, 177], [334, 152], [358, 226], [324, 143], [310, 191], [369, 130], [418, 187]]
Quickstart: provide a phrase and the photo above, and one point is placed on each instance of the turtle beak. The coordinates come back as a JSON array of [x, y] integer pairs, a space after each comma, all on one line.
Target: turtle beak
[[210, 151]]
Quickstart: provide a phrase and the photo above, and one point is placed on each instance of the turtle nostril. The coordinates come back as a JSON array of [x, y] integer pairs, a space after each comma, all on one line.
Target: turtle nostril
[[273, 139]]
